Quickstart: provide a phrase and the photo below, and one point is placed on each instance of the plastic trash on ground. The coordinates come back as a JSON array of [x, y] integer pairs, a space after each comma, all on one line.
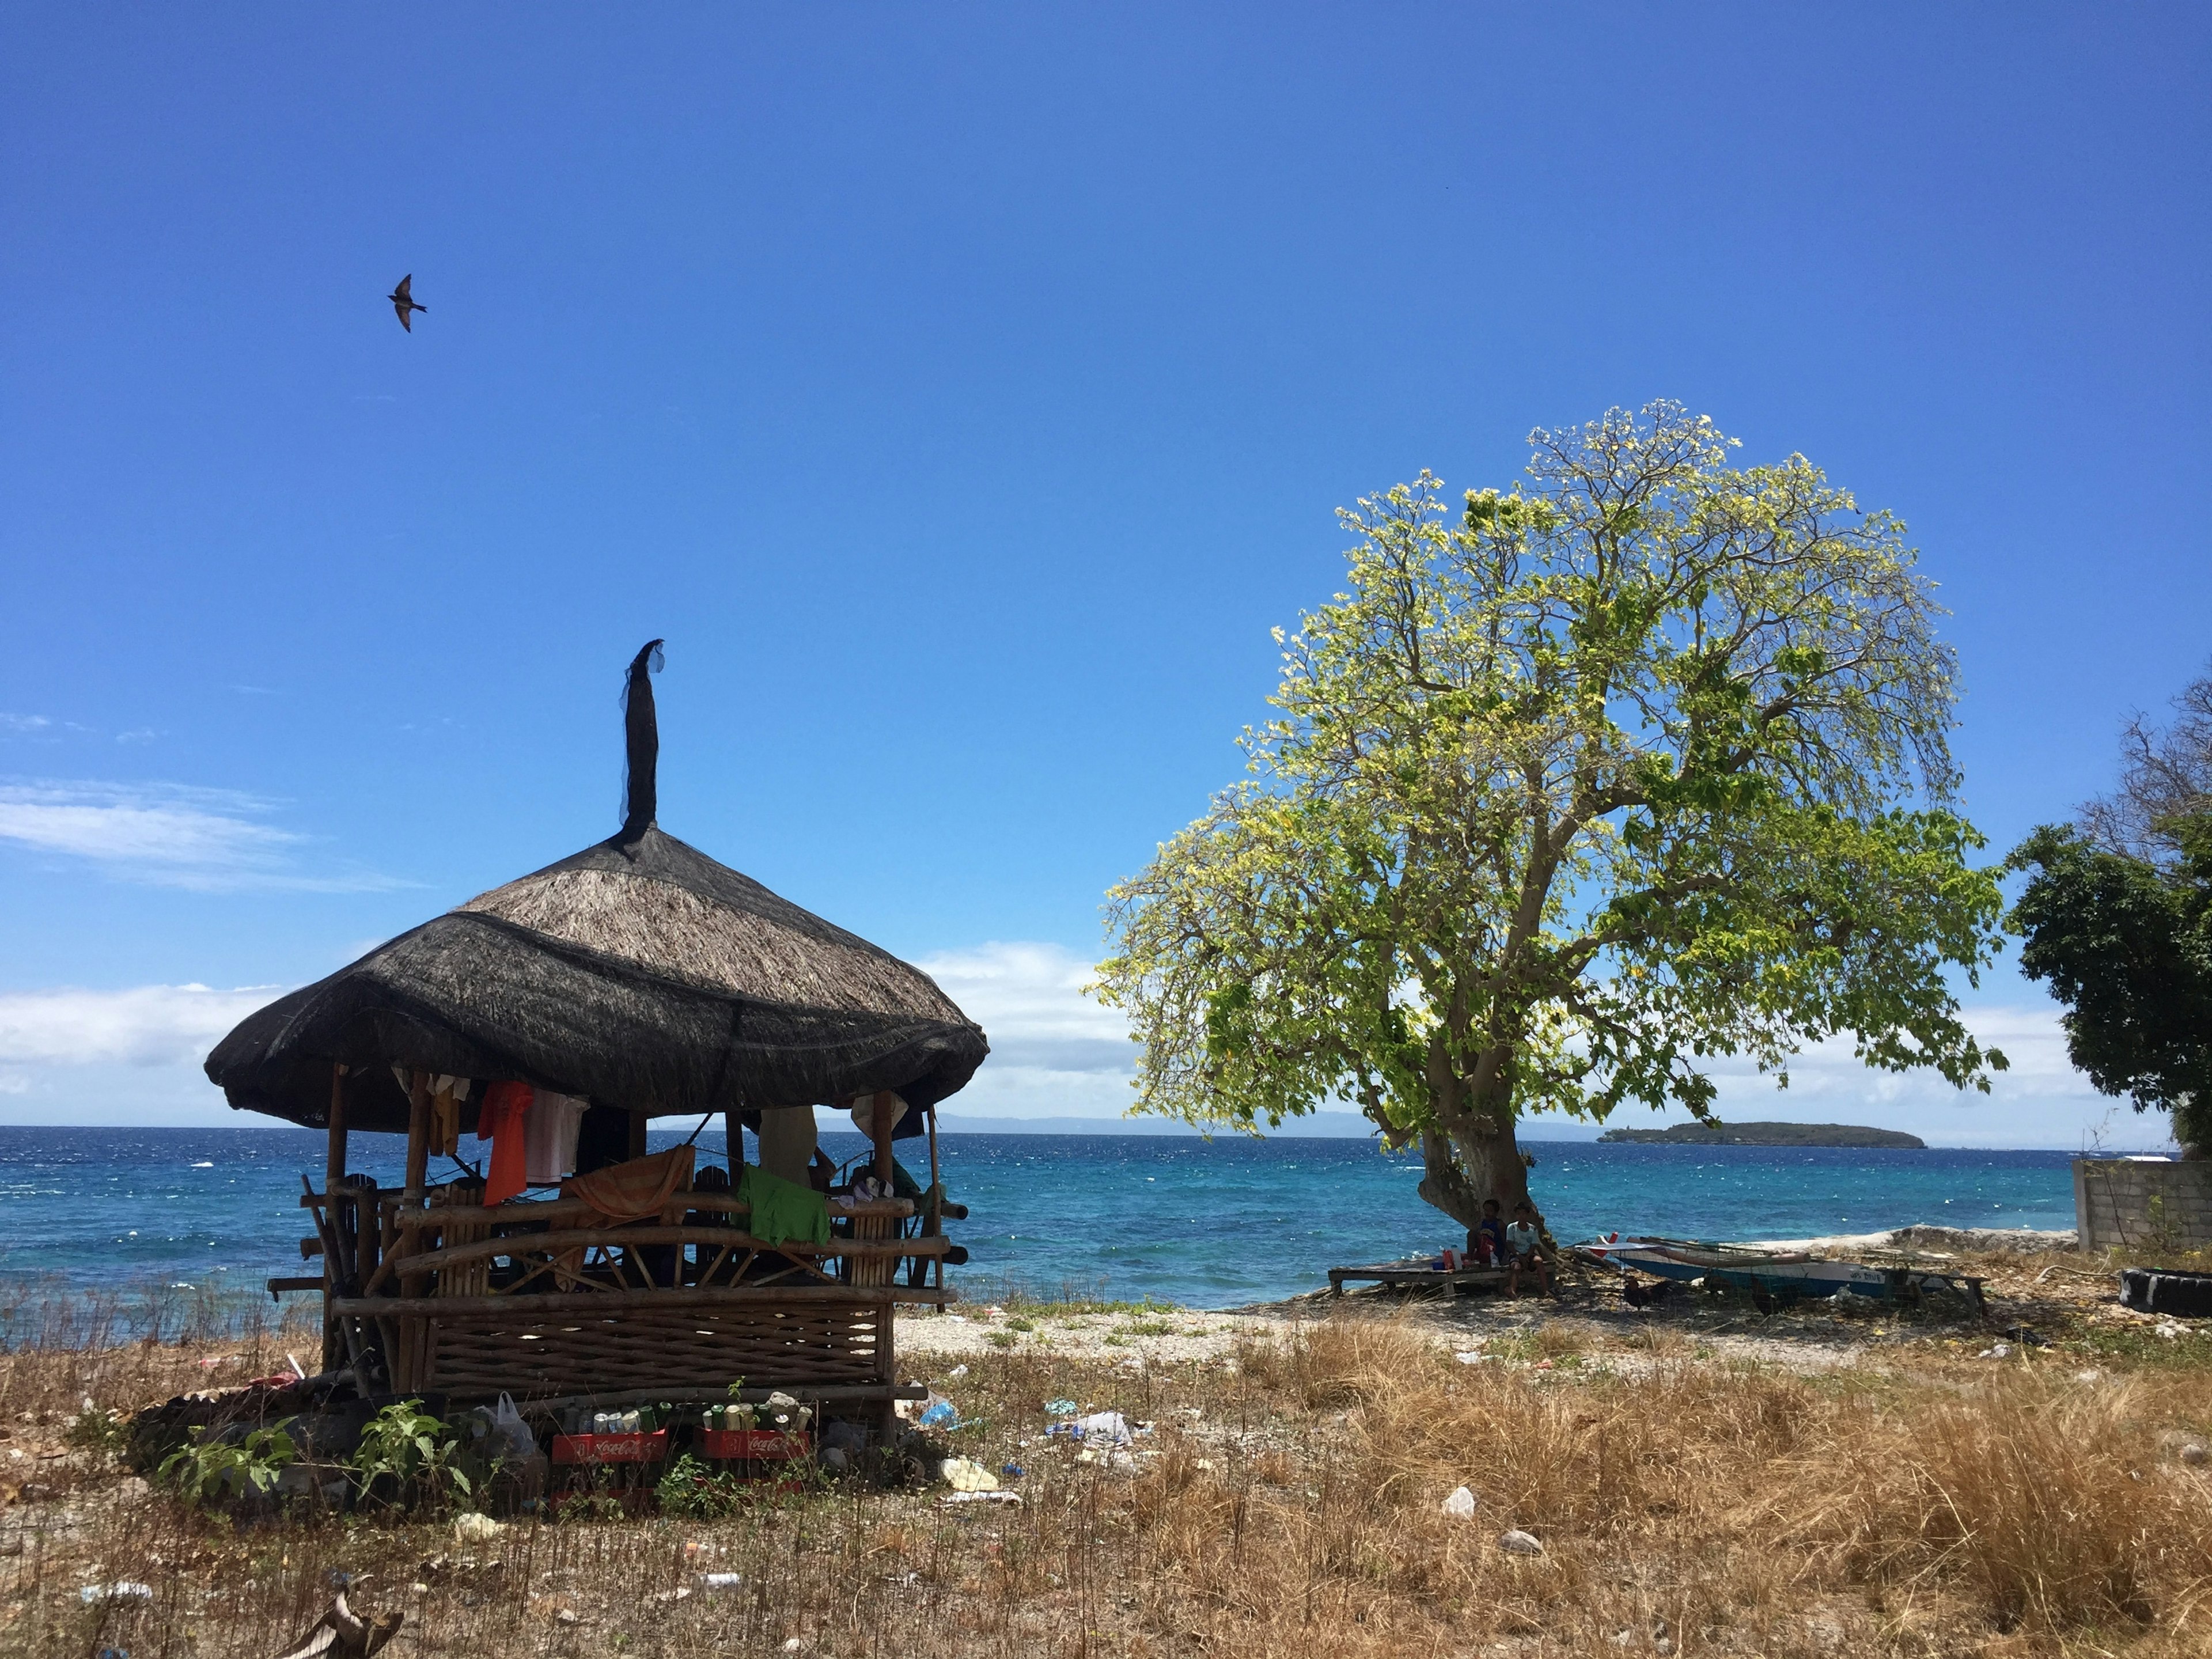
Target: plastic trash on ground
[[936, 1413], [123, 1590], [1517, 1542], [965, 1474], [720, 1581], [981, 1497], [1061, 1408], [474, 1529], [1460, 1505]]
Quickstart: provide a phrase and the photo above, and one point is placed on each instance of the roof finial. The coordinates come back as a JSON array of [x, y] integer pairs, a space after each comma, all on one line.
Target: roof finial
[[641, 742]]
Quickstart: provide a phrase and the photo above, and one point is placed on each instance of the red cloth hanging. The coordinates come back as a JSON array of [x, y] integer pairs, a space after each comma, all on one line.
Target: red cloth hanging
[[501, 1122]]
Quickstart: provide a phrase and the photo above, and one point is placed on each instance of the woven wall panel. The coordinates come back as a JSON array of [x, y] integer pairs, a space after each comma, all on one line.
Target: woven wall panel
[[783, 1344]]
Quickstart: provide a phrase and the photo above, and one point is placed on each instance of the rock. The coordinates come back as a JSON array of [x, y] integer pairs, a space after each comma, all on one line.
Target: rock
[[2194, 1455], [1460, 1505], [1517, 1542]]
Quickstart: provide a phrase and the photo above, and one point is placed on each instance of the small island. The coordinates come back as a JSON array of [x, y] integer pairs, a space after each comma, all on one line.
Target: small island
[[1766, 1134]]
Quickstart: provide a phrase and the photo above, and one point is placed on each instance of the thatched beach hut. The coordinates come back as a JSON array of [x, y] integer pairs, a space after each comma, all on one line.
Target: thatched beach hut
[[637, 980]]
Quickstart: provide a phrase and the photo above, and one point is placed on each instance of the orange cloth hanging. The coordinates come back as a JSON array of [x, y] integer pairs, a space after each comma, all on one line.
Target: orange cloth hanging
[[501, 1122]]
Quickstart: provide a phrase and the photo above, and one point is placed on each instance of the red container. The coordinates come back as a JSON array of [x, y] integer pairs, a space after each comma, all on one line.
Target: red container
[[611, 1448], [756, 1445]]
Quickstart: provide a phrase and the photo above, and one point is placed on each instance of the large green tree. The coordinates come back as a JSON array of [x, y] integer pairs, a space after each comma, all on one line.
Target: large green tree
[[2117, 919], [1574, 788]]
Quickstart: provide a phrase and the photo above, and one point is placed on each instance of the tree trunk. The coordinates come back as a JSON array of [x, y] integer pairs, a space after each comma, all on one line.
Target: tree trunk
[[1461, 1170]]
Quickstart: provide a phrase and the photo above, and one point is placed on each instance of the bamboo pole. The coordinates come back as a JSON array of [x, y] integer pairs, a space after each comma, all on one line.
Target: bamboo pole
[[418, 1136], [334, 1161], [880, 1123], [579, 1307]]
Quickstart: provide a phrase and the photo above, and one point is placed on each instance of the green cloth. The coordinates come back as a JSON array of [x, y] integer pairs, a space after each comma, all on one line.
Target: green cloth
[[783, 1210]]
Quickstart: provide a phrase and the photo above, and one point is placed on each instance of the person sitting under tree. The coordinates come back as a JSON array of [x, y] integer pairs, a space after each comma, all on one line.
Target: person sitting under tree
[[1487, 1244], [1524, 1248]]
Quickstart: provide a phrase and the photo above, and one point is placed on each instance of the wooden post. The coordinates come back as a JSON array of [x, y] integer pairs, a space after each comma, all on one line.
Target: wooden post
[[879, 1121], [935, 1225], [418, 1136], [334, 1163], [637, 1122]]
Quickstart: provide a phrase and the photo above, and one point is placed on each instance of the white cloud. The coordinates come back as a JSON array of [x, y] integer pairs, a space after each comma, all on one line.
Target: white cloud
[[24, 722], [143, 1025], [1054, 1053], [1028, 1000], [209, 840]]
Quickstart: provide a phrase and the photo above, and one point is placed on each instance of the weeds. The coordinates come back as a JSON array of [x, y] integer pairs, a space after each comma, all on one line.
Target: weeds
[[408, 1456], [1289, 1502], [211, 1470]]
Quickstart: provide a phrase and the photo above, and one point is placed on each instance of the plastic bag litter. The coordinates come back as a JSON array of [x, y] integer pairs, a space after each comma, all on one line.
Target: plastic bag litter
[[980, 1498], [1061, 1408], [474, 1529], [965, 1474], [1460, 1505], [919, 1411], [1517, 1542], [1107, 1427], [511, 1440], [957, 1371], [123, 1590], [715, 1581]]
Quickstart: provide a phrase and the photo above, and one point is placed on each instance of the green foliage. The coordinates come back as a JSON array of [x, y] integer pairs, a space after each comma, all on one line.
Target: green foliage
[[692, 1490], [104, 1433], [407, 1456], [1567, 794], [205, 1471], [2127, 946], [2117, 917]]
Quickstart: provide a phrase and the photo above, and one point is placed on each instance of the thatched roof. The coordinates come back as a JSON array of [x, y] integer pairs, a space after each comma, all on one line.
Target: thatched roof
[[639, 973]]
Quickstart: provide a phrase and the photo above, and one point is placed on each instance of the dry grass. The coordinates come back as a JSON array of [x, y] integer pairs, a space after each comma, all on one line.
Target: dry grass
[[1288, 1503]]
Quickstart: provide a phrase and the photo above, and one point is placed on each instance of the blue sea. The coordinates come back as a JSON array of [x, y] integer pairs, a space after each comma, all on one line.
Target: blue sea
[[1204, 1223]]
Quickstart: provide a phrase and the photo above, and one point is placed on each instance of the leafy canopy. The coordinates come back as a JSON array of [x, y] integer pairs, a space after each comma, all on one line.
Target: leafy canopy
[[1572, 790], [2118, 920]]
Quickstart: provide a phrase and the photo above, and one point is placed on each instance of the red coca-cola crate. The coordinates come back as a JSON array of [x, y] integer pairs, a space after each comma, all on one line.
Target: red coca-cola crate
[[639, 1448], [756, 1445]]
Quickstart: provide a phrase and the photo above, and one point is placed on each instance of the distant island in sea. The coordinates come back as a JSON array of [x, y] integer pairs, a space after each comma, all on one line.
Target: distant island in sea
[[1766, 1134]]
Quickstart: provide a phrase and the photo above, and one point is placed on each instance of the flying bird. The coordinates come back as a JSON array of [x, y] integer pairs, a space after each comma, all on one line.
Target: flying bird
[[403, 301], [342, 1633]]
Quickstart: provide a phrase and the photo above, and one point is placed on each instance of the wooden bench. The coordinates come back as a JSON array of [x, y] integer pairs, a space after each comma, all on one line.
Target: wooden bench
[[1414, 1275]]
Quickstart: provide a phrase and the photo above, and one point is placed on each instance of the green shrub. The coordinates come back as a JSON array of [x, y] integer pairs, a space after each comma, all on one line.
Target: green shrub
[[207, 1472], [407, 1455], [692, 1491]]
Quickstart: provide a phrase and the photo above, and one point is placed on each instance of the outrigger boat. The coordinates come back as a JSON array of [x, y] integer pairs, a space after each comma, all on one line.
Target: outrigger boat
[[1904, 1276]]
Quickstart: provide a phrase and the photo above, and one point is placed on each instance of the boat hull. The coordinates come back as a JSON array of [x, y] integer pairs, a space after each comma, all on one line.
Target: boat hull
[[1781, 1274]]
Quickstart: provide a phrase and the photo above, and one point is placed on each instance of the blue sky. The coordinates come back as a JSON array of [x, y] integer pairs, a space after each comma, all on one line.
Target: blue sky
[[964, 393]]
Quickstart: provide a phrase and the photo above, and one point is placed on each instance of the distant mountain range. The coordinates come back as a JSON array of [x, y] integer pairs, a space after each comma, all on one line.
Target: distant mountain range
[[1766, 1134]]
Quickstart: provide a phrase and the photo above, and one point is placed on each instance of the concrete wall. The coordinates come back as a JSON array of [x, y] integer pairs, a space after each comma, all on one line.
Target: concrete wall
[[2113, 1203]]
